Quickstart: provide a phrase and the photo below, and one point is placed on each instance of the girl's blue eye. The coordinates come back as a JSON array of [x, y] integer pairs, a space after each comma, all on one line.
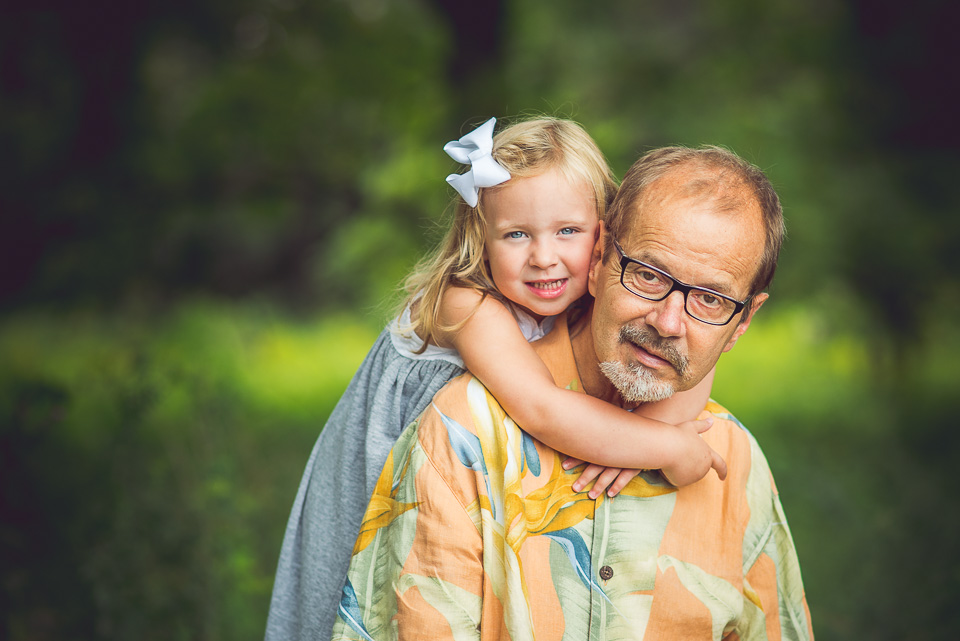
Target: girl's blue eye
[[515, 234], [566, 231]]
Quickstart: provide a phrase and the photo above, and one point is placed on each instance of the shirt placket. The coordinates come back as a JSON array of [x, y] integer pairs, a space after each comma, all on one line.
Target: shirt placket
[[600, 571]]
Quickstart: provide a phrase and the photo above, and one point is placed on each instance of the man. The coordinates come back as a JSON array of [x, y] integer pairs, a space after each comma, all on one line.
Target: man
[[474, 530]]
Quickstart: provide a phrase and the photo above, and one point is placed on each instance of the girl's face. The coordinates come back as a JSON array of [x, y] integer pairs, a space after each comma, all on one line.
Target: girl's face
[[540, 236]]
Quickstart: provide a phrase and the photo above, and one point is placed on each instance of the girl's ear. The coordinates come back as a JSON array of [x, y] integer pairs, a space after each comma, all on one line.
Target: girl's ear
[[600, 236], [596, 260]]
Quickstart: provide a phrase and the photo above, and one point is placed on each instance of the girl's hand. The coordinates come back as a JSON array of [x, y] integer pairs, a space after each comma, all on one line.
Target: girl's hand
[[697, 458], [611, 479]]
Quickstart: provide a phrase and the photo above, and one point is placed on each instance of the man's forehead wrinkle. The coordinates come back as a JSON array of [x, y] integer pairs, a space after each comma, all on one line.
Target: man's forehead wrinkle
[[727, 199], [727, 192], [700, 187]]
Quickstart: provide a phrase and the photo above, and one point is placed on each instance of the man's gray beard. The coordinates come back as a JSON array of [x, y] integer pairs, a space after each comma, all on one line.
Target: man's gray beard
[[636, 383]]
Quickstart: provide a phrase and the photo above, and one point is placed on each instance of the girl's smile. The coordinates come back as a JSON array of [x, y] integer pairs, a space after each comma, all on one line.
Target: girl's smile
[[548, 289]]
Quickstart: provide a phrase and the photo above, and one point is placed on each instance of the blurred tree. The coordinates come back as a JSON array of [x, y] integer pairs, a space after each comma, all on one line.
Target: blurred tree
[[216, 148], [477, 54], [900, 234], [286, 148], [69, 120]]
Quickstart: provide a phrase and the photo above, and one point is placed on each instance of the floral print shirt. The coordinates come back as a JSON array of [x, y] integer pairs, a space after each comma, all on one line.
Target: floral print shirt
[[474, 532]]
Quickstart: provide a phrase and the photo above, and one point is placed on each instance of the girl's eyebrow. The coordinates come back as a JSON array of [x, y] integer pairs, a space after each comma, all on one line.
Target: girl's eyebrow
[[566, 222], [510, 224], [528, 225]]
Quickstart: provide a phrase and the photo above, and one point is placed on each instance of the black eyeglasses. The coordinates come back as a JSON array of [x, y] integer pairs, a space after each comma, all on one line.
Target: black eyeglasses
[[705, 305]]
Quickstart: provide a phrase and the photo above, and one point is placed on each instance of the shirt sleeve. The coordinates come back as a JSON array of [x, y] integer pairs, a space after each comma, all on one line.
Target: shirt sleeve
[[775, 605], [416, 571]]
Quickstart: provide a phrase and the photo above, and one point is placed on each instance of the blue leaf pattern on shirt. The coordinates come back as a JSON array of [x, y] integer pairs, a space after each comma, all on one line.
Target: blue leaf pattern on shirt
[[530, 456], [466, 445], [572, 543], [349, 611]]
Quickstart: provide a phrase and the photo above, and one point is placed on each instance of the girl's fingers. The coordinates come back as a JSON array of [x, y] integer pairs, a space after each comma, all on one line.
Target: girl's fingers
[[603, 481], [623, 478], [719, 465], [588, 474], [704, 425]]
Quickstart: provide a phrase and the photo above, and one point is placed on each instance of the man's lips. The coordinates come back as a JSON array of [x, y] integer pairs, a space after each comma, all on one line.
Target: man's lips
[[664, 354], [650, 359], [547, 288]]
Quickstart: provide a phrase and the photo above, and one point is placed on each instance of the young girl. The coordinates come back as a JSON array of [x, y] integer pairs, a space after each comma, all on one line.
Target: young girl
[[517, 255]]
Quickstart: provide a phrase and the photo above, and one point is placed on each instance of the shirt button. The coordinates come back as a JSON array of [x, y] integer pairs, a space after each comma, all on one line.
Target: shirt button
[[606, 573]]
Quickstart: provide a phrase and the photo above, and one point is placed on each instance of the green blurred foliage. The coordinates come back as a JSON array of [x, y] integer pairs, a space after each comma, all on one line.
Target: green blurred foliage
[[206, 208], [149, 464]]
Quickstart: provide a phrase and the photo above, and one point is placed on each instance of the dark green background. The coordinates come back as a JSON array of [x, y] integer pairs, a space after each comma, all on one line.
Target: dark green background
[[206, 208]]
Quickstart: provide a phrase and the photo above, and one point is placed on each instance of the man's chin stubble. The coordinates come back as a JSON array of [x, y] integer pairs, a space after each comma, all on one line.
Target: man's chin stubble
[[635, 383]]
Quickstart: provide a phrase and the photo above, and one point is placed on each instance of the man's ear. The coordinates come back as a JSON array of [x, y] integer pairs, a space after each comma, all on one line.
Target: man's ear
[[744, 324], [596, 260]]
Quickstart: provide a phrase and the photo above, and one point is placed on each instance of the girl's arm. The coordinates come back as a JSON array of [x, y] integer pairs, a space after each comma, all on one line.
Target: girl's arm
[[494, 349]]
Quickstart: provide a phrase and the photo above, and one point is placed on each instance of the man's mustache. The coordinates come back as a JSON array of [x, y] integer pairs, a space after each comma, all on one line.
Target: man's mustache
[[656, 345]]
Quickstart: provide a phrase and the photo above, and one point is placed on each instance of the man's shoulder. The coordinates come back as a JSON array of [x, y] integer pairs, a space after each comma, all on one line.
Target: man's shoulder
[[732, 440], [462, 403], [452, 396], [463, 434], [725, 422], [446, 426]]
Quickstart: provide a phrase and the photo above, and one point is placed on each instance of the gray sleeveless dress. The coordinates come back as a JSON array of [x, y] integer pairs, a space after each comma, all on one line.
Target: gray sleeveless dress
[[392, 388]]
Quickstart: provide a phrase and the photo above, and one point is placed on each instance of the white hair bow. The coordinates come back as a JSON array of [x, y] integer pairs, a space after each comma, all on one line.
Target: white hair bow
[[474, 150]]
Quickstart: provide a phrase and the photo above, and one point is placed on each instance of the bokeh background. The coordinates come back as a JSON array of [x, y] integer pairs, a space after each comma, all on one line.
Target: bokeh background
[[206, 208]]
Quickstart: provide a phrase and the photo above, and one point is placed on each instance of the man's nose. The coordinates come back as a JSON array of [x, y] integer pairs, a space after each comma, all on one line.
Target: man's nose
[[543, 254], [668, 315]]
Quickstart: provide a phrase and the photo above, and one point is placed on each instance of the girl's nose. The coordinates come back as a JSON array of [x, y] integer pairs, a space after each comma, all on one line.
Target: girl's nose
[[543, 255]]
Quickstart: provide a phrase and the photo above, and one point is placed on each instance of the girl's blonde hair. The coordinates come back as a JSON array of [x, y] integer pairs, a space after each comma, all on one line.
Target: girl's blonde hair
[[524, 149]]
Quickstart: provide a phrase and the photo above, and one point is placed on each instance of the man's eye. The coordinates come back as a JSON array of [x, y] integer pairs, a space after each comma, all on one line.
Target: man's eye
[[648, 276], [648, 281], [709, 299]]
